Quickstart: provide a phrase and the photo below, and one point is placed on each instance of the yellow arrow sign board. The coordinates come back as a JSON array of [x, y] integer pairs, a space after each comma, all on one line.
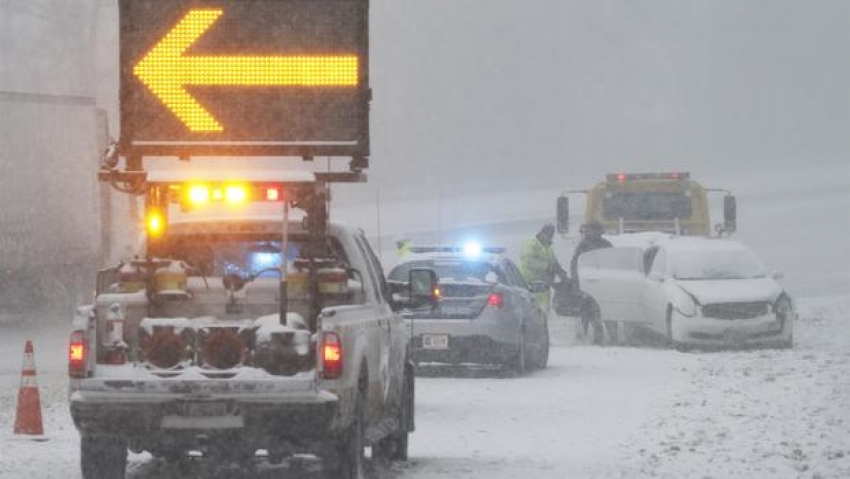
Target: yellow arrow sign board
[[263, 76]]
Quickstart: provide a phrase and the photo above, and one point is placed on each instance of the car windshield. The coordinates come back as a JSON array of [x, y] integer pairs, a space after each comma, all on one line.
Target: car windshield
[[715, 264], [448, 270], [647, 206], [217, 255]]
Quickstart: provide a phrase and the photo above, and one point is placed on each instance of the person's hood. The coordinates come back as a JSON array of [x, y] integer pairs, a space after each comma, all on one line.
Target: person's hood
[[731, 290]]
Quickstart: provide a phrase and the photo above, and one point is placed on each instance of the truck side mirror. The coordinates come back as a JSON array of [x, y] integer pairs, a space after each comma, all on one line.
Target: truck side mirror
[[730, 213], [105, 279], [423, 287], [563, 214]]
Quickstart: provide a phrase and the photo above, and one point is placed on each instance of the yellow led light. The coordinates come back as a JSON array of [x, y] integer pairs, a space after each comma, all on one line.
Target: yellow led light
[[199, 194], [155, 223], [235, 194], [167, 72]]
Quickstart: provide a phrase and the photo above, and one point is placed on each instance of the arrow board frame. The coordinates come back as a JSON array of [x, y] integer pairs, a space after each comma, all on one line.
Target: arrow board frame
[[244, 78]]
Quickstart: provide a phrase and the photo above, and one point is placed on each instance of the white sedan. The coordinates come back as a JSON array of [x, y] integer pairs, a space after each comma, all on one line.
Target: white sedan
[[692, 291]]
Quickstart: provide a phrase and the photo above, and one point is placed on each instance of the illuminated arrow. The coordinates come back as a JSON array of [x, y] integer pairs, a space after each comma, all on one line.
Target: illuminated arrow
[[167, 72]]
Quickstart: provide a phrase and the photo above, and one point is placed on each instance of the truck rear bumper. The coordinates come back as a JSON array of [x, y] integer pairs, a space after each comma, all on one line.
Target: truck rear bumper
[[178, 422]]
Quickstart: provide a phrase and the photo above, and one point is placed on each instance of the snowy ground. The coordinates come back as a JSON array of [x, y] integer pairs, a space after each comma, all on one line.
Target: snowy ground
[[594, 412]]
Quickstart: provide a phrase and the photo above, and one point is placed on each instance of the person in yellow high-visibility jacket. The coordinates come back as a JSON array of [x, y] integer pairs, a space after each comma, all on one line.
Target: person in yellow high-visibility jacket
[[538, 263], [403, 247]]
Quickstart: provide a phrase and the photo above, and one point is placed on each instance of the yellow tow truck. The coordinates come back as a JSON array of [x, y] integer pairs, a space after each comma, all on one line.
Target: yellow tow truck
[[633, 202]]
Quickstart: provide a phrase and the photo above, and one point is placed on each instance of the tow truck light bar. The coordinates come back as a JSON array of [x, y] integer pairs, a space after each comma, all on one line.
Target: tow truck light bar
[[202, 194], [624, 177]]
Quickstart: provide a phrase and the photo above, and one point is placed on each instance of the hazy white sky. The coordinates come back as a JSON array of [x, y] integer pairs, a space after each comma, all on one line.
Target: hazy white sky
[[499, 91], [477, 94]]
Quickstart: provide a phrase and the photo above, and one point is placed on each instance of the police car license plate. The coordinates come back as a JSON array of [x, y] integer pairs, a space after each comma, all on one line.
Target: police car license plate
[[435, 341], [453, 311]]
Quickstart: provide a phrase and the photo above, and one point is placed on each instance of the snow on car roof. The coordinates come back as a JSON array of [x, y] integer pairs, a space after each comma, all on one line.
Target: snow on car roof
[[492, 258], [641, 240], [704, 244], [646, 240]]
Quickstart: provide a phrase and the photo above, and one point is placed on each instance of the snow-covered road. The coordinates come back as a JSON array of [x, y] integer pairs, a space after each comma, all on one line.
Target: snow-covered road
[[595, 412]]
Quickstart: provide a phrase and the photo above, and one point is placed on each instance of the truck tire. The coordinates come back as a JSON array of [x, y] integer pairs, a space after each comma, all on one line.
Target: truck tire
[[395, 446], [102, 458], [349, 458]]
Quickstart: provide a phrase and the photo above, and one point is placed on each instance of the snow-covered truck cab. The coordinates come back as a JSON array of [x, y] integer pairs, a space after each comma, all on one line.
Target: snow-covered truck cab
[[184, 348], [637, 202]]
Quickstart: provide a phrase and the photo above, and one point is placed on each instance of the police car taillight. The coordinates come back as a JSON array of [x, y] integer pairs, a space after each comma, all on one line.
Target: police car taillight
[[495, 300], [331, 356], [77, 355]]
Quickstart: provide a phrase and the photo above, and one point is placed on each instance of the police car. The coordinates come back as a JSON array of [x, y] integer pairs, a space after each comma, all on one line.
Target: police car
[[486, 313]]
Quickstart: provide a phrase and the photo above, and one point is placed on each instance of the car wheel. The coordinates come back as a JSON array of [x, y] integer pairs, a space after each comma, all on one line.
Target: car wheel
[[395, 446], [348, 462], [102, 457], [670, 341], [520, 364]]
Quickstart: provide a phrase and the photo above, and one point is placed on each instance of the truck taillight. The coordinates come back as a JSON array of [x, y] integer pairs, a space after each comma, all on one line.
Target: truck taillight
[[496, 300], [331, 356], [77, 353]]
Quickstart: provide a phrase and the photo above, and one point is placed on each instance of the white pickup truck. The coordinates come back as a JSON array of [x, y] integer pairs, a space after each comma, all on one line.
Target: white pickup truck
[[183, 351], [690, 291]]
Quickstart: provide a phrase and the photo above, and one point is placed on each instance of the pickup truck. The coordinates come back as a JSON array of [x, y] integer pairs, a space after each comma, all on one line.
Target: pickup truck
[[183, 351]]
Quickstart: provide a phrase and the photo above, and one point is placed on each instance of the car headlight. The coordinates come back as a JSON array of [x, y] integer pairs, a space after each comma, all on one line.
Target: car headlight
[[783, 307], [687, 307]]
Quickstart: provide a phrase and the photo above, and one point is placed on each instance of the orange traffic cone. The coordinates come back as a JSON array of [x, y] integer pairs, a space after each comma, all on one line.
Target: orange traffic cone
[[28, 417]]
